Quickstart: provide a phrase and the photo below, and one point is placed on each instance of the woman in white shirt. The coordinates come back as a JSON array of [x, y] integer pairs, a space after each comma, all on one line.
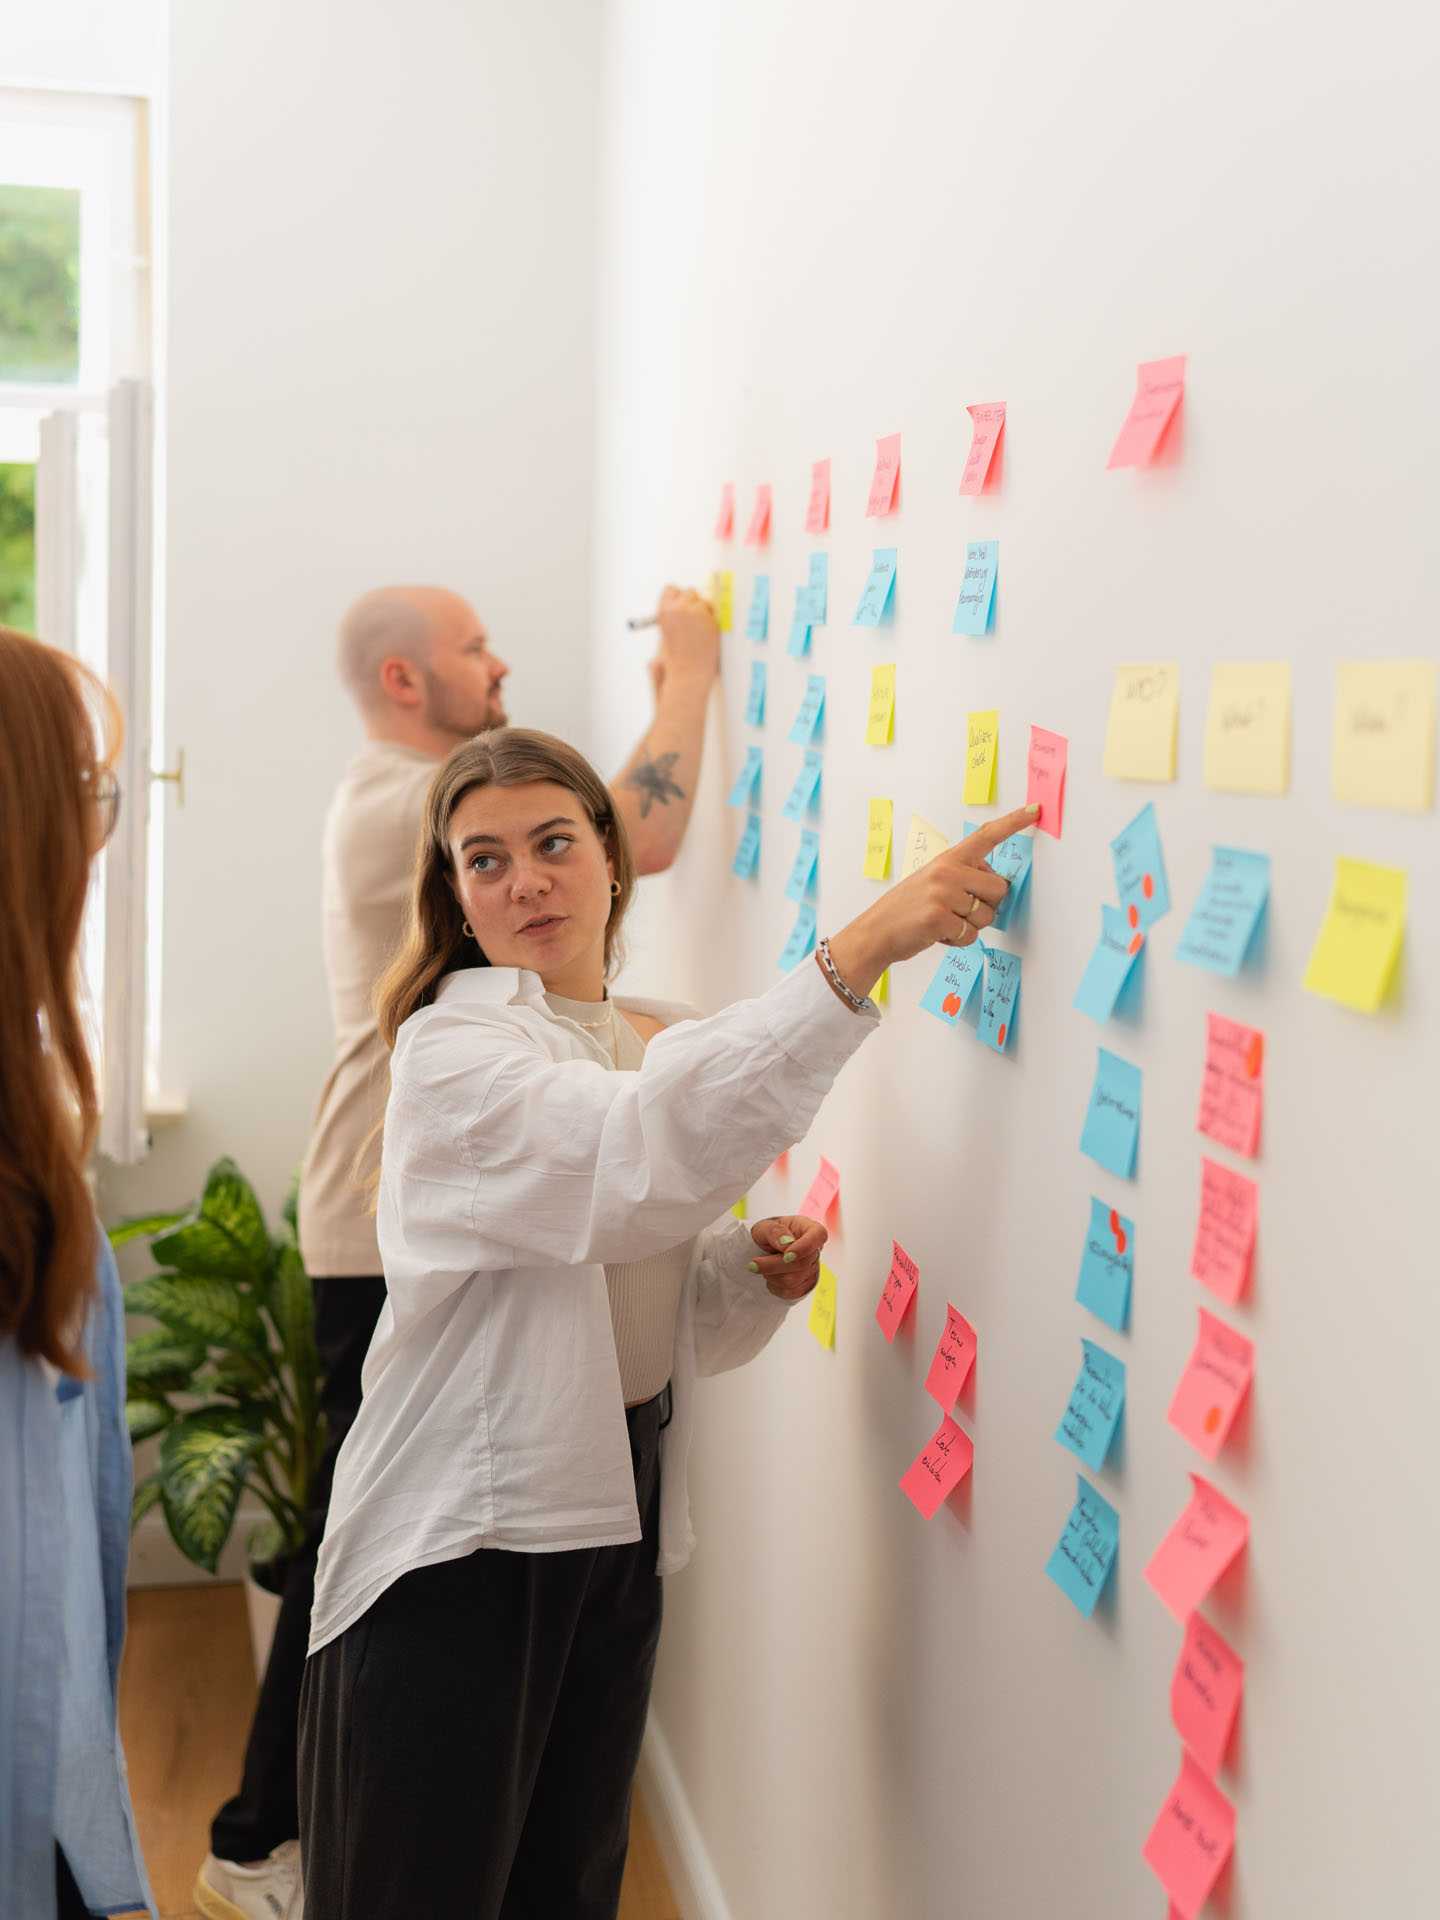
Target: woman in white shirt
[[487, 1607]]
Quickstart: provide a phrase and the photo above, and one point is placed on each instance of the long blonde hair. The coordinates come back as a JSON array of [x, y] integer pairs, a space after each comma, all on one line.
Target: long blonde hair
[[436, 941]]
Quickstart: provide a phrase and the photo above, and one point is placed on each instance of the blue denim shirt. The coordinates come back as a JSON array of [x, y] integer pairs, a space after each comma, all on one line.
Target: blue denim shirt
[[65, 1484]]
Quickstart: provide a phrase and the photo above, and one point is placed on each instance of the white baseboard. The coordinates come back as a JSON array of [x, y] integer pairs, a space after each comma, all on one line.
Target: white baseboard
[[693, 1879]]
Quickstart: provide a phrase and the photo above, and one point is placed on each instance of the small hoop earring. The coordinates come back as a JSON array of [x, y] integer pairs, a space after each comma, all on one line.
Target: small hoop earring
[[467, 929], [614, 889]]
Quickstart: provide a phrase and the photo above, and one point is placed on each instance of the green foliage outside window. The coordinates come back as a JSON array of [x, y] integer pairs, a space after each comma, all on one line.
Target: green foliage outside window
[[17, 547], [39, 283]]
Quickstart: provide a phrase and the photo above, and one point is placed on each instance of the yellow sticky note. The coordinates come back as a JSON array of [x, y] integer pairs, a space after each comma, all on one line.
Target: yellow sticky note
[[1247, 731], [877, 840], [880, 728], [1384, 748], [722, 599], [741, 1208], [922, 843], [880, 992], [822, 1309], [1353, 960], [1144, 722], [982, 739]]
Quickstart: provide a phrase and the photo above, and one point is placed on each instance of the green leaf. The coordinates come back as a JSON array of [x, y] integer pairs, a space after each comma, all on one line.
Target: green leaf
[[292, 1302], [145, 1223], [291, 1209], [146, 1417], [146, 1495], [227, 1236], [200, 1307], [204, 1460], [266, 1541], [162, 1360]]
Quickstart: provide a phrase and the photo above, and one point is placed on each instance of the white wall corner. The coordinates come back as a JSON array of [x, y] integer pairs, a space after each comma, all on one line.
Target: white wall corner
[[693, 1879]]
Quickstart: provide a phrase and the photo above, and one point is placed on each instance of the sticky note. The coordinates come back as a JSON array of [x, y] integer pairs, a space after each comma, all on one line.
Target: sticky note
[[1159, 388], [1045, 778], [755, 705], [747, 854], [802, 939], [1198, 1548], [758, 532], [803, 873], [1205, 1692], [956, 978], [880, 722], [1144, 728], [823, 1191], [1109, 966], [1224, 919], [821, 1320], [975, 609], [1140, 870], [1000, 1002], [798, 645], [817, 589], [1111, 1133], [1107, 1266], [954, 1356], [982, 742], [804, 796], [940, 1467], [1192, 1838], [1014, 861], [1358, 946], [812, 711], [817, 510], [725, 518], [922, 843], [757, 620], [877, 840], [1226, 1230], [880, 992], [1087, 1426], [1232, 1085], [1247, 729], [877, 601], [1085, 1551], [722, 599], [988, 423], [897, 1292], [885, 482], [741, 1208], [746, 790], [1215, 1381], [1383, 752]]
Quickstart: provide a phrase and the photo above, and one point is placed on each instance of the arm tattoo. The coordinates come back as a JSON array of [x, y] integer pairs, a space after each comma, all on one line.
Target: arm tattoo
[[652, 779]]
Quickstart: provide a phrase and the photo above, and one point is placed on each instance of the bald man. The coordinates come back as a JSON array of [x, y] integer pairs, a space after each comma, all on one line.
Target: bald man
[[418, 663]]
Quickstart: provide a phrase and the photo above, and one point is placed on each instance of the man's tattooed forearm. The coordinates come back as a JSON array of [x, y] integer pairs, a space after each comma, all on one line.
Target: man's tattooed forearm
[[653, 780]]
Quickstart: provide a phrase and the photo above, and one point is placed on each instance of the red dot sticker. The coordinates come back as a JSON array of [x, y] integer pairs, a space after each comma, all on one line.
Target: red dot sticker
[[1212, 1420], [1133, 915], [1118, 1231], [1137, 943], [1147, 886], [1002, 1033], [1254, 1055], [950, 1004]]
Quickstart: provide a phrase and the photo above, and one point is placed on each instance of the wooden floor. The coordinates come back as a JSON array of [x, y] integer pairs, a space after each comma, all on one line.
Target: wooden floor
[[186, 1691]]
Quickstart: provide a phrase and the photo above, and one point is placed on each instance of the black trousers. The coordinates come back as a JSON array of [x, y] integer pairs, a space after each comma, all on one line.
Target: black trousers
[[263, 1815], [467, 1748]]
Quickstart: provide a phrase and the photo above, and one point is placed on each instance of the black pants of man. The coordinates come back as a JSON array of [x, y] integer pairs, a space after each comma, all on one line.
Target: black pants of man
[[263, 1815], [468, 1746]]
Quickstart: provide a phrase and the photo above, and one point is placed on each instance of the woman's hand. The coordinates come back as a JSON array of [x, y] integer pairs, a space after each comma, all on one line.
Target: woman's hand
[[689, 638], [790, 1248]]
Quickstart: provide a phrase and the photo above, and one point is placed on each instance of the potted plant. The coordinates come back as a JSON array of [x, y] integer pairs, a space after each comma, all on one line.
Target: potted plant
[[228, 1380]]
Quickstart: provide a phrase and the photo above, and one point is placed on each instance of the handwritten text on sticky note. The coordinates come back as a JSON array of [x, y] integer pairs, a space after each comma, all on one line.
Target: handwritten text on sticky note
[[1087, 1426], [1111, 1134], [817, 510], [1383, 752], [1107, 1266], [1225, 1233], [1192, 1839], [1247, 729], [988, 418], [821, 1319], [954, 1357], [1159, 389], [897, 1292], [1144, 722], [1232, 1085], [982, 739], [880, 721], [1140, 869], [1224, 920], [878, 597], [940, 1467], [1085, 1551], [1045, 778], [975, 609], [1215, 1381], [877, 839], [885, 482], [1358, 947], [1205, 1692], [1203, 1542], [958, 975]]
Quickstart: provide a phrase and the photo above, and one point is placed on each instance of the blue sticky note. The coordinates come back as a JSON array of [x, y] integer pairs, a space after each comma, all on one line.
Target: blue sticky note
[[755, 705], [812, 711], [817, 592], [1223, 920], [757, 620], [975, 610], [803, 873], [1013, 860], [798, 645], [1109, 966], [956, 978], [746, 790], [877, 601], [805, 794], [1085, 1551], [1107, 1266], [1000, 1005], [1140, 870], [1097, 1400], [802, 939], [747, 854], [1112, 1123]]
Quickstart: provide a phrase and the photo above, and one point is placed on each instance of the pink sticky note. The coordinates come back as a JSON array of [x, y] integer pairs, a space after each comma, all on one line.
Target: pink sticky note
[[954, 1357], [989, 420], [1214, 1382], [1205, 1692], [1159, 388], [886, 478], [758, 532], [1232, 1088], [898, 1291], [817, 513], [1045, 778], [942, 1465], [725, 518], [823, 1192], [1192, 1839], [1197, 1549], [1225, 1233]]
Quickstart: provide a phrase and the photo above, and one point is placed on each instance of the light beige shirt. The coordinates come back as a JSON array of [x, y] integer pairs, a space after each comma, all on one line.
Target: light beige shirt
[[371, 832]]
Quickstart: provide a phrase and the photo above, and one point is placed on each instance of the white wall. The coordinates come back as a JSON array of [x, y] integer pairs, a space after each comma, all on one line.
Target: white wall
[[832, 221]]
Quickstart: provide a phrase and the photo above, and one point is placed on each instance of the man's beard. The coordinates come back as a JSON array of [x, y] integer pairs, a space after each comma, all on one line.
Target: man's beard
[[462, 718]]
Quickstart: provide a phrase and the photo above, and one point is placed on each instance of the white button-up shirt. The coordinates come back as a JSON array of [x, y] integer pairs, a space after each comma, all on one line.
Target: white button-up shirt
[[516, 1162]]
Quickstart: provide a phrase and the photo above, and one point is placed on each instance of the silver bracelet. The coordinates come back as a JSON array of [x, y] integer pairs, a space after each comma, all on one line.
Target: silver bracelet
[[832, 974]]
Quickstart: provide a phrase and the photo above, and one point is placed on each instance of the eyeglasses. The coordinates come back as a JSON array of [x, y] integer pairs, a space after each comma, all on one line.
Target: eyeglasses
[[105, 792]]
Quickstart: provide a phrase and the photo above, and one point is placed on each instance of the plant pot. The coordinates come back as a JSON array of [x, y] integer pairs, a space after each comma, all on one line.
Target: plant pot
[[264, 1610]]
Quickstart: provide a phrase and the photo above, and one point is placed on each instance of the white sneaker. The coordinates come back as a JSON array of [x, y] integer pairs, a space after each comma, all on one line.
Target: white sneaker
[[269, 1890]]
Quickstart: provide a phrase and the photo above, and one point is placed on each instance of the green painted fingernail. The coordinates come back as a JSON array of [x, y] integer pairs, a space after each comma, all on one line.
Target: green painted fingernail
[[789, 1256], [786, 1238], [753, 1267]]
